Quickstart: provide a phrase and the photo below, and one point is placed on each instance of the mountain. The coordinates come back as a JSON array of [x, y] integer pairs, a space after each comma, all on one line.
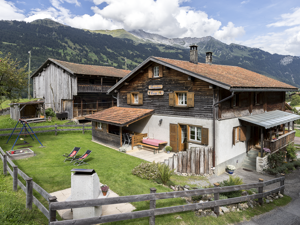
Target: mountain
[[49, 39]]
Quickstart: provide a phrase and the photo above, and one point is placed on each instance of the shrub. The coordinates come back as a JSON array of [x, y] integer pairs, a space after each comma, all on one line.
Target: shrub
[[276, 159], [290, 166], [297, 163], [50, 112], [291, 151], [231, 182], [168, 148], [196, 198], [147, 171], [164, 173]]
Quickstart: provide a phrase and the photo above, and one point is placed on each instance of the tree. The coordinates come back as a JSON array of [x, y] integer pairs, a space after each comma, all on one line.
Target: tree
[[12, 78], [295, 100]]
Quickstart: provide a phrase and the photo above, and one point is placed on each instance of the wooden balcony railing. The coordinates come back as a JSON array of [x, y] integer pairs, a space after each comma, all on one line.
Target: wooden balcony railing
[[281, 142], [92, 88]]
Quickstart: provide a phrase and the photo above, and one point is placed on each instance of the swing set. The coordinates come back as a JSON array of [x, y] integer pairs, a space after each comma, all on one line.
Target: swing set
[[27, 128]]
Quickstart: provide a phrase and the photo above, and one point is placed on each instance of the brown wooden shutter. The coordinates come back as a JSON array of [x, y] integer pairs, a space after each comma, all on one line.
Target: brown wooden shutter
[[190, 99], [204, 136], [150, 72], [128, 98], [174, 137], [171, 99], [140, 98], [233, 136], [160, 71], [242, 132]]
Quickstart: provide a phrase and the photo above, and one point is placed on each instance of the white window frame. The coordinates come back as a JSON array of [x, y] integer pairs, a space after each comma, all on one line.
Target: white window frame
[[156, 71], [135, 97], [197, 129], [99, 126], [182, 98]]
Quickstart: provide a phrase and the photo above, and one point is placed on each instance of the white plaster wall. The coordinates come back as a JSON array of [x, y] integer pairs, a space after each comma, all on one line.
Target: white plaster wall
[[225, 150], [150, 125]]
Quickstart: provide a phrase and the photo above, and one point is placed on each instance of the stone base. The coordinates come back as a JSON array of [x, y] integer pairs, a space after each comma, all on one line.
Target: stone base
[[236, 161], [261, 163]]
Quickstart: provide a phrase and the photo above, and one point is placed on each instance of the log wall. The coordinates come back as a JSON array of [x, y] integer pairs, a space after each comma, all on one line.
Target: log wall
[[193, 161]]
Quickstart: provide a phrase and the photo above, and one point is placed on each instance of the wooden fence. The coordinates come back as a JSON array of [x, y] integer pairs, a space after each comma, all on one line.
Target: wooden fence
[[193, 161], [30, 184], [53, 128], [152, 197]]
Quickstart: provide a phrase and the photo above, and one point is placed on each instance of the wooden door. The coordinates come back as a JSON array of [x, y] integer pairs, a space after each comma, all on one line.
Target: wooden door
[[174, 137], [182, 137], [67, 106]]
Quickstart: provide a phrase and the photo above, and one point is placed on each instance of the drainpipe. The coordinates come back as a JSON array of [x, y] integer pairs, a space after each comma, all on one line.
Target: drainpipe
[[214, 125]]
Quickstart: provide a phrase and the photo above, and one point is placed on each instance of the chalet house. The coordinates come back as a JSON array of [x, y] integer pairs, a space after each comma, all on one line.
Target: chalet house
[[190, 104], [76, 88]]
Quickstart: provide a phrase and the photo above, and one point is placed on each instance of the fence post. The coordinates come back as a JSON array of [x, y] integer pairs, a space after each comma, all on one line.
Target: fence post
[[5, 164], [15, 178], [52, 213], [55, 129], [152, 206], [282, 183], [29, 195], [216, 197], [260, 190], [83, 128]]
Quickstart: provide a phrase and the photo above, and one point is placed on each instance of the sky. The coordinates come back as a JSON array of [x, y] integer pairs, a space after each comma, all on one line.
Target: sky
[[271, 25]]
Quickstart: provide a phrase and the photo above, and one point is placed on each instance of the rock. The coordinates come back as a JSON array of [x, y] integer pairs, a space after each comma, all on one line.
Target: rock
[[244, 193], [178, 218], [200, 210], [205, 197], [280, 195], [173, 188], [185, 189], [267, 201], [271, 200], [184, 174], [237, 210], [233, 209], [250, 204], [213, 214], [224, 209], [201, 201], [186, 186], [276, 197]]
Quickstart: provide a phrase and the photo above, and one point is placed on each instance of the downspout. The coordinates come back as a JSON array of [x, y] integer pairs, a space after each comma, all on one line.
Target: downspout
[[214, 125]]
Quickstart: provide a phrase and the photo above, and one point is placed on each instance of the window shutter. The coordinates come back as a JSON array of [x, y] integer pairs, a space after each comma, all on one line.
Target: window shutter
[[150, 72], [171, 99], [140, 98], [190, 99], [233, 136], [242, 132], [160, 71], [128, 98], [204, 136]]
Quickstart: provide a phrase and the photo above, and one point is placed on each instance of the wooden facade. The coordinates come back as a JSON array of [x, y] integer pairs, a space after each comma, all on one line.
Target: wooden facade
[[103, 135], [171, 81]]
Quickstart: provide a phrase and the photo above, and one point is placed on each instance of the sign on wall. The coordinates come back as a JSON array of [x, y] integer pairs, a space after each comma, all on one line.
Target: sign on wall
[[155, 92], [155, 86]]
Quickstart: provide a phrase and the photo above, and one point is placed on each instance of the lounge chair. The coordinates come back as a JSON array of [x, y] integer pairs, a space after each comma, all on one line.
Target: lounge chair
[[81, 159], [72, 154]]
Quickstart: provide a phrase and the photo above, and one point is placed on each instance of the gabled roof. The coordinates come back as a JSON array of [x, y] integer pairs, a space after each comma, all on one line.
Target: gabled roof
[[120, 116], [84, 69], [232, 78]]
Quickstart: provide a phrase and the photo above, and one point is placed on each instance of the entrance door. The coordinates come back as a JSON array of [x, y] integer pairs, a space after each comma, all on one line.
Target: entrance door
[[182, 137], [174, 137], [67, 106]]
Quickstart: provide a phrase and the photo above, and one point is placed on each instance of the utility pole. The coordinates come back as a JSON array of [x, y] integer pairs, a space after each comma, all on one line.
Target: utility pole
[[29, 52]]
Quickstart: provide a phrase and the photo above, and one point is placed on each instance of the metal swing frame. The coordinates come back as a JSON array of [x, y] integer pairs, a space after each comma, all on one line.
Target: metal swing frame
[[24, 123]]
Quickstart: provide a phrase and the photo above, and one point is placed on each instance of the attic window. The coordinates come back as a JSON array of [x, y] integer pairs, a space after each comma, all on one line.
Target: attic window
[[156, 71]]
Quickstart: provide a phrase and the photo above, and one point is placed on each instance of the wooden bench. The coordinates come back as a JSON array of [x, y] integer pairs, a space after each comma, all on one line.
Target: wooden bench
[[149, 146]]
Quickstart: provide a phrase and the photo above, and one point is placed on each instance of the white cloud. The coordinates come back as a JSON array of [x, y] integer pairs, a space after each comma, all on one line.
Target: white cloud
[[8, 11], [245, 2], [288, 19], [229, 33]]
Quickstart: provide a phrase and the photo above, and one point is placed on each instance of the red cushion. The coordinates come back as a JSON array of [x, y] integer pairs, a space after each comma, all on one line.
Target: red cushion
[[73, 153]]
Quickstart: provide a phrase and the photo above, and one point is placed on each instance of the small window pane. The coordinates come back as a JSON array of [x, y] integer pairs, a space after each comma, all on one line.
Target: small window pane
[[182, 99], [135, 98], [192, 136], [156, 71], [99, 126], [198, 134]]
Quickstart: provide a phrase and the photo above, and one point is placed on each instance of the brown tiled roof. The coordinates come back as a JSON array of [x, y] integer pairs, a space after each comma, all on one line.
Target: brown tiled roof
[[234, 76], [120, 116]]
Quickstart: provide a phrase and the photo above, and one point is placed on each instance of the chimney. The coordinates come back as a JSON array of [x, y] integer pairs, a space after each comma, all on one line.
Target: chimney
[[209, 58], [194, 54]]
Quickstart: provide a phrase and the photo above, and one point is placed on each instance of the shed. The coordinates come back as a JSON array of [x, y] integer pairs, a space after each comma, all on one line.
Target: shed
[[30, 111]]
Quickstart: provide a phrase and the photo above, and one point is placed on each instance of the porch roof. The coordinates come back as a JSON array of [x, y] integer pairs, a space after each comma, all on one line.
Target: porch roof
[[120, 116], [271, 119]]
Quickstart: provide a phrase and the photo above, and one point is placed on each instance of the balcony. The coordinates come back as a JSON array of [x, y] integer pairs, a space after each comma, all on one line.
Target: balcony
[[281, 142], [84, 88]]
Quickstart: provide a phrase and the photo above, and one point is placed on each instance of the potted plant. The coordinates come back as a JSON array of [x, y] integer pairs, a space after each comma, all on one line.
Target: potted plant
[[230, 169], [168, 149], [104, 189]]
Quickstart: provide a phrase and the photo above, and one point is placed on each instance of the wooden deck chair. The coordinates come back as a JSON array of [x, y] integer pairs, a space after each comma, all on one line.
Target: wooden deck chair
[[81, 159], [72, 154]]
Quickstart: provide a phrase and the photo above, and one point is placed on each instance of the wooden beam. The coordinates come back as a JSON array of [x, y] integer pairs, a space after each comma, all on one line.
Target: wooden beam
[[101, 84], [97, 105], [81, 107], [262, 141]]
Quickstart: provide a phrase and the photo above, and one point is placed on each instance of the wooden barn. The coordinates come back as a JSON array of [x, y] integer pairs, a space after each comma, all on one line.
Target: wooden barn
[[30, 111], [186, 104], [76, 88]]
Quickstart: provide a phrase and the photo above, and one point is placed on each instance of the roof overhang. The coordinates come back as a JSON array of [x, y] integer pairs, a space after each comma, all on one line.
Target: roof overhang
[[270, 119], [263, 89], [152, 59], [45, 64]]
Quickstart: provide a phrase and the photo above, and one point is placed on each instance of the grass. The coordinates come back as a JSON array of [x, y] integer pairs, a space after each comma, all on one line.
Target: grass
[[6, 103]]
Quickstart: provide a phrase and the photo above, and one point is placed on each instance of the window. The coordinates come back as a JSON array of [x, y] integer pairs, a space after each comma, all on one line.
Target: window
[[182, 100], [99, 125], [135, 98], [156, 71], [258, 98], [238, 134], [195, 133], [235, 100]]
